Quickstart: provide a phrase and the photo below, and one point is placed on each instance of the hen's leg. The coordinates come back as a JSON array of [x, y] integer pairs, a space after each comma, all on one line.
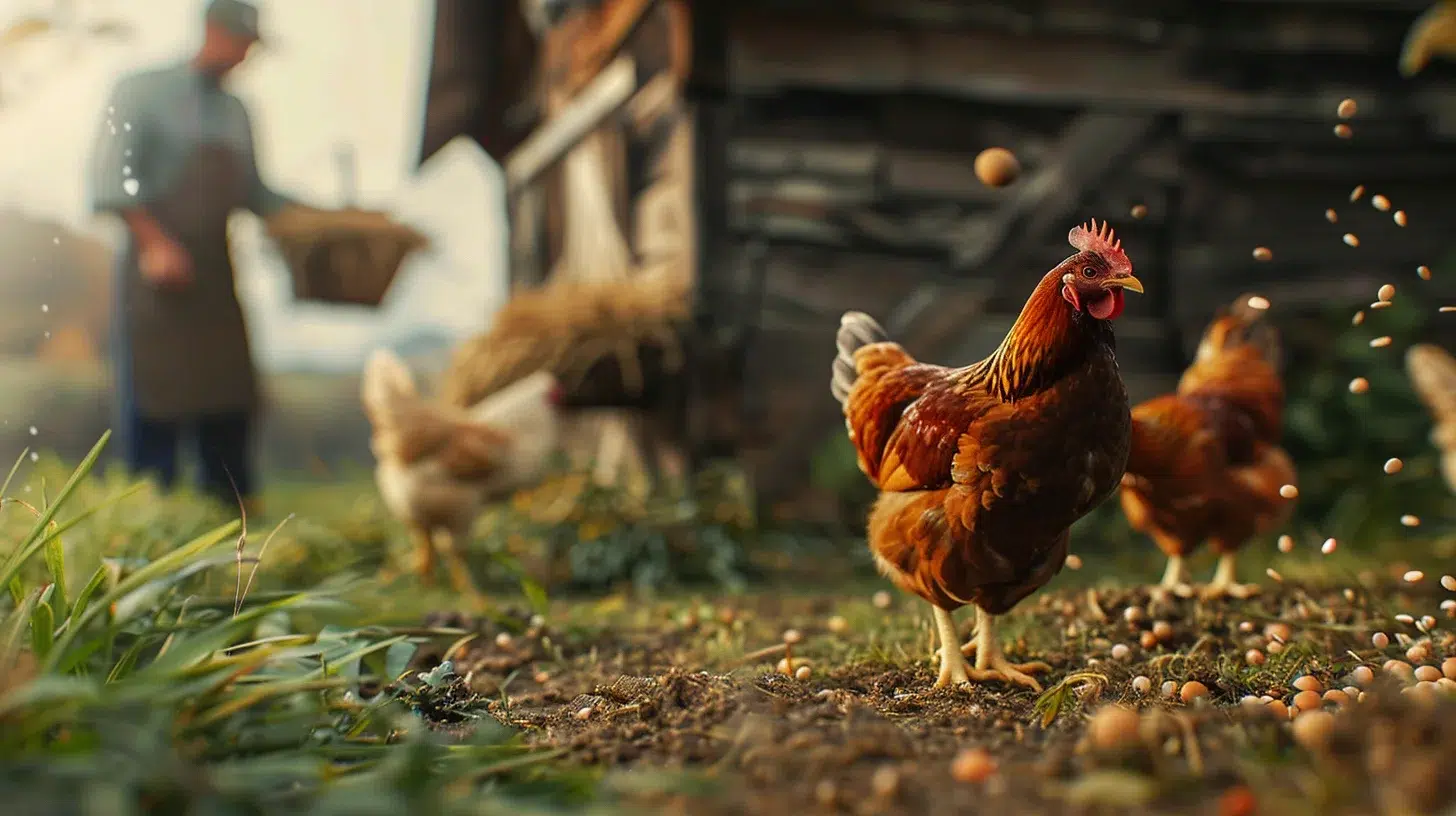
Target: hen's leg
[[424, 554], [991, 664], [1175, 579], [1224, 583], [458, 570], [954, 669]]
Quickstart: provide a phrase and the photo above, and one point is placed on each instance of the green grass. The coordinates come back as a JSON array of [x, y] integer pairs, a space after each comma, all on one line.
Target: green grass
[[143, 674]]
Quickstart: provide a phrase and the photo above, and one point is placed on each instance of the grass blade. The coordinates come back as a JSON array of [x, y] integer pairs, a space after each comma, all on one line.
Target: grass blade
[[55, 558], [12, 564], [18, 558], [42, 629], [171, 562], [84, 599], [10, 634]]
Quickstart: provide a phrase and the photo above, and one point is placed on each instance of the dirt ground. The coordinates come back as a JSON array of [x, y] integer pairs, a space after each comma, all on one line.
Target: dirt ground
[[693, 688]]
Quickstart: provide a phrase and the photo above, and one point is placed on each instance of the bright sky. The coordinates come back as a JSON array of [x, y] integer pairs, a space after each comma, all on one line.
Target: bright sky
[[333, 71]]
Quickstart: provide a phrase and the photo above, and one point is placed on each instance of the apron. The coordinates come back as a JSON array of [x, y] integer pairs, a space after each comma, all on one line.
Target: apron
[[185, 352]]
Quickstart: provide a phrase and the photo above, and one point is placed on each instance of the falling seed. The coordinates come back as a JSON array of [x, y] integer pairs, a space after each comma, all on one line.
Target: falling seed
[[1263, 254], [1258, 302], [1338, 696], [1246, 626], [1381, 304], [1427, 622], [1359, 385], [1274, 574], [837, 624], [1169, 688], [882, 600], [1275, 647], [1410, 521], [1448, 606], [1399, 218], [584, 713], [1380, 640], [1147, 640], [1386, 293], [1073, 562], [1351, 240], [1139, 210], [1447, 309], [1329, 546], [1289, 491], [1343, 131], [1414, 576], [1286, 543], [1307, 682], [1428, 674], [802, 673], [1449, 582], [1121, 651], [1381, 342], [1254, 657], [792, 636], [1448, 668], [1357, 319], [1141, 684], [1393, 466], [1380, 202], [1363, 676], [1312, 729], [1279, 631], [1331, 216], [1346, 108], [503, 640], [1133, 614], [1406, 619], [1417, 654], [1424, 271], [1162, 630], [1279, 709], [1357, 192]]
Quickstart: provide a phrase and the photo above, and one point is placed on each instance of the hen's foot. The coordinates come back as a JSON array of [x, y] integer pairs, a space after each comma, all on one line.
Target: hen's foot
[[1004, 671], [954, 671], [1162, 593], [1230, 590]]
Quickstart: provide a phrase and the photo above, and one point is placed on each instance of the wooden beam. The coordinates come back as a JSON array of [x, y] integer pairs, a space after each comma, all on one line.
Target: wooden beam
[[607, 94], [770, 54]]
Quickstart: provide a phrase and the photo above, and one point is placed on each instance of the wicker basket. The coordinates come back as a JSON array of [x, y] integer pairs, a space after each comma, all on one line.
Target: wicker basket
[[343, 256]]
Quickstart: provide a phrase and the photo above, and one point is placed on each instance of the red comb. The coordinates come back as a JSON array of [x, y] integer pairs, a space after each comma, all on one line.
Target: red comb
[[1101, 240]]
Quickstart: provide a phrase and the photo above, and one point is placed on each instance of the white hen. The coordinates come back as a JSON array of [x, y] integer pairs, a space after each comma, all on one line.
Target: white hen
[[438, 466]]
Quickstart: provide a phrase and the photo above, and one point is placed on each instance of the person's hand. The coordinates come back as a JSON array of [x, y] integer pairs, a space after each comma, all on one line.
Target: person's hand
[[166, 263]]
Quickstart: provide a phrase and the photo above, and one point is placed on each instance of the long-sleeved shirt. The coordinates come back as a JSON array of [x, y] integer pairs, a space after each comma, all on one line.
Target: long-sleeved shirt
[[152, 122]]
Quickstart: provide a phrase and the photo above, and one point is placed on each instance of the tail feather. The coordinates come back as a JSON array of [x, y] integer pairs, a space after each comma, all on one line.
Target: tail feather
[[856, 330]]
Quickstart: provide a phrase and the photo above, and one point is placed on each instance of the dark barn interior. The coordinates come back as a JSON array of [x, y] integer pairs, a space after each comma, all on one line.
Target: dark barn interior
[[834, 145]]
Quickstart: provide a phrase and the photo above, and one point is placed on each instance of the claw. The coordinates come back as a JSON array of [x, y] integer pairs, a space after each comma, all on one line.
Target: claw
[[1005, 671], [1240, 591]]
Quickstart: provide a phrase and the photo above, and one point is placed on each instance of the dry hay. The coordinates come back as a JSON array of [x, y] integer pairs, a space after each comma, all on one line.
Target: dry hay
[[566, 327], [342, 256]]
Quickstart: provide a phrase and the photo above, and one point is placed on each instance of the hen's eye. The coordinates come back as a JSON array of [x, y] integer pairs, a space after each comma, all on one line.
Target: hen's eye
[[1089, 272]]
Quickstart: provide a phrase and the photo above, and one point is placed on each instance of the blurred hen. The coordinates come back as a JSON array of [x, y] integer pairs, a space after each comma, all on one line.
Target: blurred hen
[[1206, 463], [982, 470], [439, 465], [1432, 372]]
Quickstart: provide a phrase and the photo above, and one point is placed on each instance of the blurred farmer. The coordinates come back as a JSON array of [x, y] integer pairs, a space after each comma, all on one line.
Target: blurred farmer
[[174, 158]]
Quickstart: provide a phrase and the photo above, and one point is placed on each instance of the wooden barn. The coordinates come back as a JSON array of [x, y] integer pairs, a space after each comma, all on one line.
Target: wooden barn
[[802, 158]]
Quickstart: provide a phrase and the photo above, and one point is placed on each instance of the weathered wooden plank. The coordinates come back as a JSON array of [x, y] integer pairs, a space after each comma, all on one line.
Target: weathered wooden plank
[[607, 93], [769, 55]]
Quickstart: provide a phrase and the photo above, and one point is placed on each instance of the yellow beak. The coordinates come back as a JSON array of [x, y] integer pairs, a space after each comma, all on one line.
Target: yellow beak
[[1129, 283]]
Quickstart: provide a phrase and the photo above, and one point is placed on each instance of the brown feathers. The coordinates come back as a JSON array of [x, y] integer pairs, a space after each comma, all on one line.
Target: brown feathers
[[1432, 373], [983, 469]]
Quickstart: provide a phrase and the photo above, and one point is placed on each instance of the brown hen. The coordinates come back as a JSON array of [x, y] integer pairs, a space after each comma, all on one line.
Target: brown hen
[[1206, 464], [982, 469]]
